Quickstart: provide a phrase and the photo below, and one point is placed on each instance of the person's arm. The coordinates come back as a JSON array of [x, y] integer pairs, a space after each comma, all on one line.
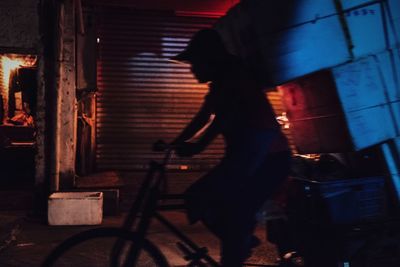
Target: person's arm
[[188, 149], [198, 122], [209, 134]]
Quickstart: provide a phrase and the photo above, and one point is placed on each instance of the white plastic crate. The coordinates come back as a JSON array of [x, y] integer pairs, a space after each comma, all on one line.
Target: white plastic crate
[[75, 208]]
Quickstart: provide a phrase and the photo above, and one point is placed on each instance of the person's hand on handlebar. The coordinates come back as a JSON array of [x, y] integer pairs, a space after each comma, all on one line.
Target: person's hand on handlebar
[[182, 149], [187, 149]]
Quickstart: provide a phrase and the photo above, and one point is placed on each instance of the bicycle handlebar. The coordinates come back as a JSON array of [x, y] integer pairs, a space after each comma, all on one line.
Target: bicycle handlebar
[[162, 146]]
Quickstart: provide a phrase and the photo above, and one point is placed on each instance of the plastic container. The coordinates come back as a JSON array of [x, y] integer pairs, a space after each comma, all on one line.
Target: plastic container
[[344, 201], [75, 208]]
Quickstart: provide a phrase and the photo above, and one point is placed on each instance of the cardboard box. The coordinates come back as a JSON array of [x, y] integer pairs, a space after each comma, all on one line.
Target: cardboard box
[[368, 31], [359, 84], [338, 110], [284, 40], [367, 25], [389, 67], [323, 134], [395, 110], [394, 16], [370, 126], [75, 208]]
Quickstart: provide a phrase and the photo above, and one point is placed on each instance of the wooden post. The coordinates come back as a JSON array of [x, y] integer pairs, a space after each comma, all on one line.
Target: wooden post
[[66, 106]]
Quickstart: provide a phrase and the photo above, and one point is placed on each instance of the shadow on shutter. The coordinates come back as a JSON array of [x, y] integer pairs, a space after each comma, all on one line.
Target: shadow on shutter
[[142, 97]]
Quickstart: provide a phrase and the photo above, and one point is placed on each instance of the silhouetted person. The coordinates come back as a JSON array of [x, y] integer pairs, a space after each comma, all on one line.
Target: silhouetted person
[[257, 156]]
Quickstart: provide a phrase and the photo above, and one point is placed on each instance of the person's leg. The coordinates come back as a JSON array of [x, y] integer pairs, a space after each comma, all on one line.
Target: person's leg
[[202, 195], [236, 243], [240, 223], [229, 197]]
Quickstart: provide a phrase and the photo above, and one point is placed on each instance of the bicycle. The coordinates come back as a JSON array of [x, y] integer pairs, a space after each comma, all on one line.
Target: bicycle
[[131, 246]]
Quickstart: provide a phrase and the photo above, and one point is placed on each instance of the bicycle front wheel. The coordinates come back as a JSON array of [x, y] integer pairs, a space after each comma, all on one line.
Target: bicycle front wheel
[[92, 248]]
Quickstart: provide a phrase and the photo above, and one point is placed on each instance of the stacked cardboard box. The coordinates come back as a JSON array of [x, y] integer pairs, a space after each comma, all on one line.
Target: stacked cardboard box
[[389, 63], [342, 109], [287, 39], [338, 63]]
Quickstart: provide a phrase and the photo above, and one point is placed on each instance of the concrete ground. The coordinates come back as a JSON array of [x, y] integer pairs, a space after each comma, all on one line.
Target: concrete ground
[[25, 242]]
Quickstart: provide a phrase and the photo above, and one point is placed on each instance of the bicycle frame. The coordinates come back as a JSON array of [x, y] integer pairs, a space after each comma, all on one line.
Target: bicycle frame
[[135, 227], [145, 208]]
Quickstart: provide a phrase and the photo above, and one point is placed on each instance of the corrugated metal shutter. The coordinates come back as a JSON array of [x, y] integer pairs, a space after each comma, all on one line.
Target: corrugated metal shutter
[[142, 96]]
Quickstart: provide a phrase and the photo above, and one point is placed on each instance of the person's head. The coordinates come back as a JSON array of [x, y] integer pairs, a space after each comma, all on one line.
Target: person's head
[[206, 53]]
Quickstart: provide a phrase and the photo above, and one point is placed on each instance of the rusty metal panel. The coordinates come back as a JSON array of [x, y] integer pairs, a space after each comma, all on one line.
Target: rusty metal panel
[[142, 97]]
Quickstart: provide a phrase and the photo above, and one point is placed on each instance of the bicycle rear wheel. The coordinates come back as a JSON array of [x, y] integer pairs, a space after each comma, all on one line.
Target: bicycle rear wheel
[[92, 248]]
